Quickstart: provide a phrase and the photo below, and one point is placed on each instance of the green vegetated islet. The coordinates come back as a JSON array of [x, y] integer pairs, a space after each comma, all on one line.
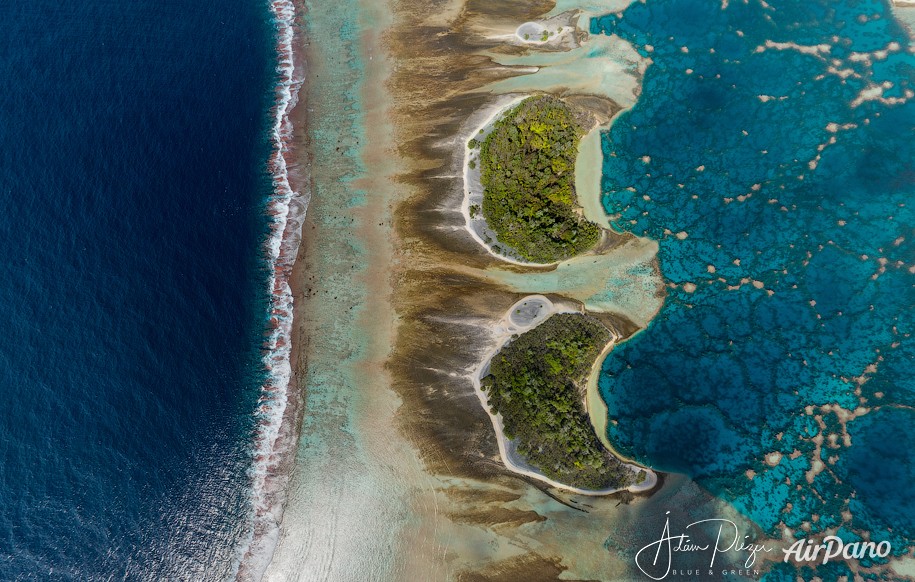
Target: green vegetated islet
[[536, 383], [527, 167]]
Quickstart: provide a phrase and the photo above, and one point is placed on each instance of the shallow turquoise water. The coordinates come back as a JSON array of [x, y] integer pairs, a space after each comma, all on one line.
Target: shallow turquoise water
[[790, 191]]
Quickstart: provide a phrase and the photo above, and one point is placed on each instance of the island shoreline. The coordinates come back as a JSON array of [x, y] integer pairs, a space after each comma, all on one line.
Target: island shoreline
[[505, 330], [473, 193]]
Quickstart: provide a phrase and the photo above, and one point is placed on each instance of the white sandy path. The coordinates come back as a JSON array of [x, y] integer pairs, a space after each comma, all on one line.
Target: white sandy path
[[503, 332], [588, 170]]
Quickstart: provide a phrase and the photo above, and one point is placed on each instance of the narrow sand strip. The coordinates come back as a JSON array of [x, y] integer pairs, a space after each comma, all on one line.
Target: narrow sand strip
[[588, 170], [598, 411], [590, 6]]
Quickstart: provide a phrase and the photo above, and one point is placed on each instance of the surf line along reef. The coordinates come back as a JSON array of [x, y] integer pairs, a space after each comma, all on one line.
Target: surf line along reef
[[521, 205]]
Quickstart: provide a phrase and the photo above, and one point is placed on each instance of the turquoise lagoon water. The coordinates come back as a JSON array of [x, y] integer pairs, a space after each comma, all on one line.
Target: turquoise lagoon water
[[775, 140]]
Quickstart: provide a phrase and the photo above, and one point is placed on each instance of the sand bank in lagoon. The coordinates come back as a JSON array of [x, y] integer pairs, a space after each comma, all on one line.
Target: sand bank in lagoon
[[904, 10], [588, 177]]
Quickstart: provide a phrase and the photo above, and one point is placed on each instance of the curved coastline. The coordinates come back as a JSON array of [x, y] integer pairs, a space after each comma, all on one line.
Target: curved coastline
[[595, 402], [587, 185], [279, 405], [588, 177], [504, 329], [473, 188]]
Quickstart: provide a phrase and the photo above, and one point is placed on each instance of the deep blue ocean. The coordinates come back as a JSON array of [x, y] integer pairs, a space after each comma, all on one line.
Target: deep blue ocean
[[775, 138], [133, 152]]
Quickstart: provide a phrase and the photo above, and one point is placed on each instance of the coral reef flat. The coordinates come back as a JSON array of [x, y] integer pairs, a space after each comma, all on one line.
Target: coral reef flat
[[398, 473]]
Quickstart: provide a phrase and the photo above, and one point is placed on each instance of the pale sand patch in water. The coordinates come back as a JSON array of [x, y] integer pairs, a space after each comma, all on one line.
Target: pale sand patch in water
[[624, 280], [591, 7], [558, 32], [605, 66], [904, 10], [588, 174], [904, 566]]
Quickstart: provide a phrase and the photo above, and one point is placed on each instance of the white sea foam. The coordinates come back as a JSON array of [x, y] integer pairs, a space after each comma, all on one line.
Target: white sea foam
[[275, 435]]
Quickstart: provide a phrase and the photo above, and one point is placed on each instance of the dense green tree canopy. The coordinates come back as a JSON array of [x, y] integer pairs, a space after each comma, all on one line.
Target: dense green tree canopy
[[528, 176], [534, 382]]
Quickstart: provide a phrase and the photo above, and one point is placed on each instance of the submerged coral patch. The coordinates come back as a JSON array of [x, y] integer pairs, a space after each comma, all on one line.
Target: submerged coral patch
[[788, 323]]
